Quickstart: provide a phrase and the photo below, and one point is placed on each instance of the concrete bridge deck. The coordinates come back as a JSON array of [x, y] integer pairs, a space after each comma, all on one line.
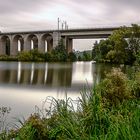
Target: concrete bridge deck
[[63, 31]]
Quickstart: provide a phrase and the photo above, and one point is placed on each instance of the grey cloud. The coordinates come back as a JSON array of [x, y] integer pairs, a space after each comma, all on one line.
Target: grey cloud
[[14, 6], [14, 12]]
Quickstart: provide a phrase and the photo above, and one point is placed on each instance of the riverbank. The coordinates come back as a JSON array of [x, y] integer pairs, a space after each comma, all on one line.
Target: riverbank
[[108, 111]]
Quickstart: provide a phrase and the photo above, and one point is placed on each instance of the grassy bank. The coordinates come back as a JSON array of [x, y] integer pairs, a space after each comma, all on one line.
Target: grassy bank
[[110, 110]]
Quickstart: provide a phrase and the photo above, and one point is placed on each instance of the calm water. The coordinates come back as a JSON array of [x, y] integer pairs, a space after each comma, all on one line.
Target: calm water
[[24, 85]]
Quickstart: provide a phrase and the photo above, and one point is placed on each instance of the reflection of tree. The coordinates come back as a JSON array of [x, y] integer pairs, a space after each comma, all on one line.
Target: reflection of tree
[[99, 71], [49, 76], [25, 76], [57, 75], [4, 76], [38, 77], [61, 76], [13, 76]]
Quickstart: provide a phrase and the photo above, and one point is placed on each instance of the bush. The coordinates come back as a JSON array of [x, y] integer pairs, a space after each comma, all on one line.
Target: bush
[[32, 129], [24, 56], [8, 58], [33, 55], [72, 57], [115, 88], [134, 85]]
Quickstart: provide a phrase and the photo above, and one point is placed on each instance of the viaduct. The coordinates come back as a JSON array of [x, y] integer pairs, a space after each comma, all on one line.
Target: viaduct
[[13, 42]]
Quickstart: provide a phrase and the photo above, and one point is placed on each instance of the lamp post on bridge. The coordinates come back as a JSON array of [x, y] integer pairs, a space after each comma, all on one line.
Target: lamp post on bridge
[[58, 23], [63, 24]]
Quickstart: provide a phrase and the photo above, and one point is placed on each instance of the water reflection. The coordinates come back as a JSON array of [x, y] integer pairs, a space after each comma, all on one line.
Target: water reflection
[[24, 85], [49, 74], [55, 74]]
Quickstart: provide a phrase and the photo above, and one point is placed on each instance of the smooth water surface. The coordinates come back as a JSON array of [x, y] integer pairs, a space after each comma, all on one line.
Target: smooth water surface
[[24, 85]]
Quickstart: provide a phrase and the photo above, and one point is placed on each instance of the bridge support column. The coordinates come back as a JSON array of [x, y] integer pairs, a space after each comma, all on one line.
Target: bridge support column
[[2, 47], [27, 44], [13, 48], [69, 46], [56, 38], [64, 39], [41, 45], [68, 43]]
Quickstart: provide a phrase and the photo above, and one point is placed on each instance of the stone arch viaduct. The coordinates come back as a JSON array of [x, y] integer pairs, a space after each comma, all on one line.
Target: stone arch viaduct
[[13, 42]]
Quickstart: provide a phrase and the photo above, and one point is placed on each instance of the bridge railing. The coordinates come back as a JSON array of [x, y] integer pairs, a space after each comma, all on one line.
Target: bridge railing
[[61, 30]]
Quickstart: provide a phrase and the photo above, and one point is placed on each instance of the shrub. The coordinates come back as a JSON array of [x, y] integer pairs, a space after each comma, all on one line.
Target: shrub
[[33, 129], [33, 55], [135, 85], [24, 56], [115, 88], [72, 57]]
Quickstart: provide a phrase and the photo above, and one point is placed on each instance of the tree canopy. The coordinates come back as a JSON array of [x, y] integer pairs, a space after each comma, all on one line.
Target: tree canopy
[[123, 46]]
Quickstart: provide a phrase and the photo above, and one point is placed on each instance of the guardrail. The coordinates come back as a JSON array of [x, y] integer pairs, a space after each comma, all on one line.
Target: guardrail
[[64, 30]]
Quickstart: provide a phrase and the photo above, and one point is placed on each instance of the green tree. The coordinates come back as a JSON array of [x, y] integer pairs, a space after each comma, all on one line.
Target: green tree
[[87, 56], [72, 56], [79, 58], [134, 41], [60, 53]]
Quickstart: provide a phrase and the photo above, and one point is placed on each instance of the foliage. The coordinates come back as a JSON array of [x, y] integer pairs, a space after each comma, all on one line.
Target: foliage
[[4, 111], [72, 57], [33, 129], [86, 56], [8, 58], [134, 85], [123, 46], [79, 58], [59, 53], [115, 88], [33, 55]]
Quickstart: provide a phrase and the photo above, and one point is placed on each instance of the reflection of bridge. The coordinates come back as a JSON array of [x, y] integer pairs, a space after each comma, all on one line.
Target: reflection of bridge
[[47, 74], [13, 42], [32, 74]]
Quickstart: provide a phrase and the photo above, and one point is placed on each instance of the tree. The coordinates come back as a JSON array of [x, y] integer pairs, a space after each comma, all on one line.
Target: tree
[[72, 56], [60, 53], [134, 40], [87, 56]]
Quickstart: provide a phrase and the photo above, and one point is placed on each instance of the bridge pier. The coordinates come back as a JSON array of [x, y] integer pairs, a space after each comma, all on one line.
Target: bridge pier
[[56, 38], [69, 45], [27, 44], [13, 48], [41, 45], [2, 48]]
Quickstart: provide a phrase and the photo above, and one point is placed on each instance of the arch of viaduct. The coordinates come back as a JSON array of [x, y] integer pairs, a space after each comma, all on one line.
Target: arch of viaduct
[[13, 42]]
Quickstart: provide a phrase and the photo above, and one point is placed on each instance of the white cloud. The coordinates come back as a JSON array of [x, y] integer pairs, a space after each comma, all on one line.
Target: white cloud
[[42, 14]]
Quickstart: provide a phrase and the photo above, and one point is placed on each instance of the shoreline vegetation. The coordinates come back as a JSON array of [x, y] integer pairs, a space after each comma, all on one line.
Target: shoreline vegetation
[[110, 110]]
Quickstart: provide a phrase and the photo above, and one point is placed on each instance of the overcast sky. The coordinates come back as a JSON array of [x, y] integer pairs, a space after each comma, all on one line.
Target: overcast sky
[[19, 15]]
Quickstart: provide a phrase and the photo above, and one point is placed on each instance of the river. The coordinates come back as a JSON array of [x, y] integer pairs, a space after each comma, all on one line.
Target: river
[[26, 85]]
